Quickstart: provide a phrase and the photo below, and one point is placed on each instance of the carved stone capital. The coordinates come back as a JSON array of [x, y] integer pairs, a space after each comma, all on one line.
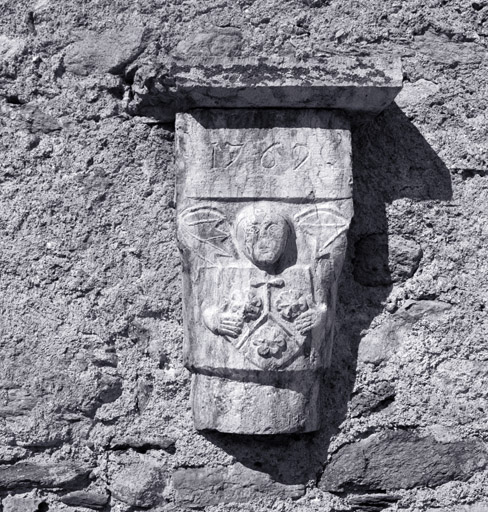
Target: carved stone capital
[[264, 203]]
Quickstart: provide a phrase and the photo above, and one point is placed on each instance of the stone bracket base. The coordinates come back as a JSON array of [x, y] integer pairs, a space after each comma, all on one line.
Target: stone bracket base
[[255, 408]]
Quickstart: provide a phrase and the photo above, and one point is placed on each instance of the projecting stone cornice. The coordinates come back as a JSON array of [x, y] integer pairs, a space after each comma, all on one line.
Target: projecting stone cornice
[[354, 84]]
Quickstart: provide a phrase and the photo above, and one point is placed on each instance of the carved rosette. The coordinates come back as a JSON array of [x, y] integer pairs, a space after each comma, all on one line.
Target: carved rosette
[[264, 205]]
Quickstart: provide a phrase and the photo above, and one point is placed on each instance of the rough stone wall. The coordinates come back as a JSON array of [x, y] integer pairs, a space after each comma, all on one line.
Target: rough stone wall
[[94, 400]]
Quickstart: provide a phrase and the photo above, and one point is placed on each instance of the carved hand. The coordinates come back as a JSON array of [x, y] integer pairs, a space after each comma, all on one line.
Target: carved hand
[[306, 321], [229, 324]]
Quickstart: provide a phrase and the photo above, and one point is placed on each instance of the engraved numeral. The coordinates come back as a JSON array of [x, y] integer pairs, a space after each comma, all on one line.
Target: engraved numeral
[[224, 154], [300, 154], [269, 159], [329, 152]]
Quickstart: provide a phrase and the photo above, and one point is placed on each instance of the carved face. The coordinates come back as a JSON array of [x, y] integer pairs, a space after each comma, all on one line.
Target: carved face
[[262, 234]]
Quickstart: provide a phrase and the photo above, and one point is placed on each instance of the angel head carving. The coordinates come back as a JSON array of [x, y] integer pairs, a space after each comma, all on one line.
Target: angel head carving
[[262, 234]]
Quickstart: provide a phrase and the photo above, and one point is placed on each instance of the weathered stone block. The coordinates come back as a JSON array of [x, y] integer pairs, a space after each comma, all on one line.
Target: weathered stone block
[[481, 506], [10, 47], [107, 52], [402, 460], [414, 310], [140, 485], [371, 269], [16, 401], [87, 499], [26, 475], [142, 441], [201, 487], [383, 342], [217, 42], [372, 502], [372, 399], [22, 503]]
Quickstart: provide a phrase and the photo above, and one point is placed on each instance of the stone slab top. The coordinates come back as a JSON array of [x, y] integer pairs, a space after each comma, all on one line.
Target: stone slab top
[[354, 84]]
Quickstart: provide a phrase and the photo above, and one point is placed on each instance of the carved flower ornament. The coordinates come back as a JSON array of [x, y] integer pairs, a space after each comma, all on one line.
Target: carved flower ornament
[[246, 305], [270, 342], [291, 304]]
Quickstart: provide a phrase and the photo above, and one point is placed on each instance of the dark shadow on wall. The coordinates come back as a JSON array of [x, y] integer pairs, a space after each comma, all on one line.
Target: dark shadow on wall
[[391, 160]]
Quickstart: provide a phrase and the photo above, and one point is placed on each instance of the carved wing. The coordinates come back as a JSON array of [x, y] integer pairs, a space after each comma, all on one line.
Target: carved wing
[[324, 224], [206, 232]]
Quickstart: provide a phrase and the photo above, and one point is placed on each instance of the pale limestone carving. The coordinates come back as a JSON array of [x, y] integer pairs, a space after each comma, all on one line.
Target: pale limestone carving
[[264, 204]]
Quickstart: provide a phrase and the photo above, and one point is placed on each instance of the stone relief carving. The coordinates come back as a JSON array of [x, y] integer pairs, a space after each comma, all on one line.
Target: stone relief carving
[[265, 311], [261, 262]]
